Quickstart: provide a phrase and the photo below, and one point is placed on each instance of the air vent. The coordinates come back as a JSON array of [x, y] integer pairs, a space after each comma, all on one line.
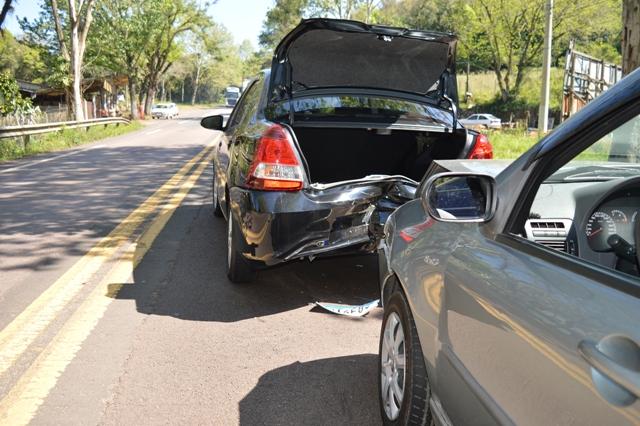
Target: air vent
[[551, 233], [554, 244]]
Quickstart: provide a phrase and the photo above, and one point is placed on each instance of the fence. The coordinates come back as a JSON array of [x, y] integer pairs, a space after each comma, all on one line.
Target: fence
[[25, 132]]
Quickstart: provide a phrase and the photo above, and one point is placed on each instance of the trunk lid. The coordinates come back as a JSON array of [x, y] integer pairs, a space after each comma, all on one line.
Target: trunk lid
[[329, 53]]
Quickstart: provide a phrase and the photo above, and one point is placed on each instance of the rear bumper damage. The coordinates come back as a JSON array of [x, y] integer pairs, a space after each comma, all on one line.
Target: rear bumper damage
[[322, 220]]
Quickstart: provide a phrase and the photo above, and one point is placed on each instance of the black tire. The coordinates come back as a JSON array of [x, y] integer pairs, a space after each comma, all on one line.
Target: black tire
[[217, 211], [414, 409], [238, 270]]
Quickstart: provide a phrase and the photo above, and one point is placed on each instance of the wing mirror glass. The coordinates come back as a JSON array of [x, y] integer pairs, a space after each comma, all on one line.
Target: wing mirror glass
[[213, 122], [459, 197]]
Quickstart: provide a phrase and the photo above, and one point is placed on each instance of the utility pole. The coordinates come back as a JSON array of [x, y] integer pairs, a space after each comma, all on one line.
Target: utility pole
[[543, 112]]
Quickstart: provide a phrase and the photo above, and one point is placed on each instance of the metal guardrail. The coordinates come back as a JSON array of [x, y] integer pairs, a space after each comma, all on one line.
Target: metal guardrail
[[36, 129]]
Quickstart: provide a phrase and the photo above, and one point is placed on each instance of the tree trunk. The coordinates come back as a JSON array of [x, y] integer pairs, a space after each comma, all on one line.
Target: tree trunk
[[630, 36], [196, 81], [148, 100], [76, 73], [182, 92], [132, 99]]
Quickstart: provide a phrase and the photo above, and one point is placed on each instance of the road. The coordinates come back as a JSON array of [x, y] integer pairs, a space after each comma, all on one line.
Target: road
[[115, 307]]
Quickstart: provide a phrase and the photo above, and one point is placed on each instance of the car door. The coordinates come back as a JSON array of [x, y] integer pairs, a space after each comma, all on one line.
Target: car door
[[231, 133], [533, 335]]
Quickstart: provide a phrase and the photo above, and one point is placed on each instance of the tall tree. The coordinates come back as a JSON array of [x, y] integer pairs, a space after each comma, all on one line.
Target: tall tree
[[173, 18], [280, 19], [79, 15], [630, 36], [514, 31], [6, 8], [124, 51]]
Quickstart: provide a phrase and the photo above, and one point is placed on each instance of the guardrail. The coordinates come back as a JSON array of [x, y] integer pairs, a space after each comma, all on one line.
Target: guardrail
[[35, 129]]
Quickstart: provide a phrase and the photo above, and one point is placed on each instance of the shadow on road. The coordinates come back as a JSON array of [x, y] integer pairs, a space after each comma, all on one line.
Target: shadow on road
[[50, 212], [327, 391]]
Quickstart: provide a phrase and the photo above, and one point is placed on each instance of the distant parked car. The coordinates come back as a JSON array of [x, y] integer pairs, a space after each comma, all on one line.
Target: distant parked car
[[324, 146], [511, 290], [482, 120], [164, 110]]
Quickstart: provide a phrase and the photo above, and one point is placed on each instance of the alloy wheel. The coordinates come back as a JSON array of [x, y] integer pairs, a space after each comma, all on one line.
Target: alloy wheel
[[393, 366]]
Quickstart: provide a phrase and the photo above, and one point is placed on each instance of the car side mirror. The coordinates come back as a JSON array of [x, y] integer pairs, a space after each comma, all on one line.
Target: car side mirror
[[213, 122], [460, 197]]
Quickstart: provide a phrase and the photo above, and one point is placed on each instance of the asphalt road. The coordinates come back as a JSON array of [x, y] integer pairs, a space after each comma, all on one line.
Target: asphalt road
[[115, 307]]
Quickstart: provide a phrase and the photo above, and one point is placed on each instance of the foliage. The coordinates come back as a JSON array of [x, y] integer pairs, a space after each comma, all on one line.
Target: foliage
[[281, 19], [11, 101]]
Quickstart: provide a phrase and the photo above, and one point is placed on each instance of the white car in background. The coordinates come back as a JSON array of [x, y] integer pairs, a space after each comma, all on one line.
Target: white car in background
[[164, 110], [482, 120]]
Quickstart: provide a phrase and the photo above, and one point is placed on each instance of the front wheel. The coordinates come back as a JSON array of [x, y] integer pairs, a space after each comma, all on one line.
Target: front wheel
[[403, 385], [238, 270]]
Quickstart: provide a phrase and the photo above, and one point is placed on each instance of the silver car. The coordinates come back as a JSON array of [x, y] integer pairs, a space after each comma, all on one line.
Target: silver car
[[511, 290], [488, 121]]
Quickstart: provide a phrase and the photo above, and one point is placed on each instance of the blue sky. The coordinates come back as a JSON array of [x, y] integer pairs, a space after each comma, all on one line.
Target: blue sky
[[243, 18]]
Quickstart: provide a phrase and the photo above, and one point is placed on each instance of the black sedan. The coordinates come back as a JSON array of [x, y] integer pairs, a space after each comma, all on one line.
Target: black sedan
[[322, 147]]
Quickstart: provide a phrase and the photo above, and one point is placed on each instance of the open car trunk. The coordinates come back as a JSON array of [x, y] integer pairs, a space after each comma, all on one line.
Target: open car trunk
[[339, 154], [359, 177]]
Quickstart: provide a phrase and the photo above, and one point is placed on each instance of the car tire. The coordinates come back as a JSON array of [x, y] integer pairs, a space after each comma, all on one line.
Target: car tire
[[412, 408], [238, 270], [217, 211]]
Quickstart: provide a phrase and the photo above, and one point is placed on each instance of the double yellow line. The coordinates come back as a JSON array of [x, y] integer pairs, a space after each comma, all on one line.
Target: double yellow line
[[23, 400]]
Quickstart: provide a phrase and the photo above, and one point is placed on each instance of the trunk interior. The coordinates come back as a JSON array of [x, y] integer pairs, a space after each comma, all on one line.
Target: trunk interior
[[338, 154]]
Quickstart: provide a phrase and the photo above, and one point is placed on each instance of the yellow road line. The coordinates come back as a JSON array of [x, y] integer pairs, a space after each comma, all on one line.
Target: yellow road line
[[16, 337], [21, 404]]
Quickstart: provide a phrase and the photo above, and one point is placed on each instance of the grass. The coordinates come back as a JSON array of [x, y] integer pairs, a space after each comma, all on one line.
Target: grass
[[12, 149], [485, 90], [510, 144]]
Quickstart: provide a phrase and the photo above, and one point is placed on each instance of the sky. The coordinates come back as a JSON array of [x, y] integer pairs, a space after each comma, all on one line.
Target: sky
[[243, 18]]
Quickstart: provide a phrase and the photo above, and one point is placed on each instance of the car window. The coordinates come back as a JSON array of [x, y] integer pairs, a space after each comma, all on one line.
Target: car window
[[246, 105], [590, 206], [473, 117], [366, 108]]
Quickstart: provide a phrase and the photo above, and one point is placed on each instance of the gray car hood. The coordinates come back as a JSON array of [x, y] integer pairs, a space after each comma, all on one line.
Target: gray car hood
[[489, 167], [330, 53]]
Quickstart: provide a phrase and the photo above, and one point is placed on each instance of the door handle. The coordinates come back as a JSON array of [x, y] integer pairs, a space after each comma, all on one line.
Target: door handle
[[623, 376]]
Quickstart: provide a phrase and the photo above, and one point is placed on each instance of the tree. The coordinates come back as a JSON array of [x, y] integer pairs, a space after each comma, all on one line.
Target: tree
[[11, 101], [78, 20], [514, 32], [124, 51], [280, 19], [173, 17], [6, 8], [340, 9], [630, 36]]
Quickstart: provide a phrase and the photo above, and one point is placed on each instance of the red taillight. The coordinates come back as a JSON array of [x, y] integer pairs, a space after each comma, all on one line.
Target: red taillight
[[482, 149], [275, 165]]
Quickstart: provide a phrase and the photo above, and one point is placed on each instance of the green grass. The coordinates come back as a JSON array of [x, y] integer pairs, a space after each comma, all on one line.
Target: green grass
[[12, 149], [510, 144], [485, 90]]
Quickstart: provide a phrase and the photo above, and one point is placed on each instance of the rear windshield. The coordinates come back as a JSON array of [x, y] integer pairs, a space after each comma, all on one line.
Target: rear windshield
[[360, 108]]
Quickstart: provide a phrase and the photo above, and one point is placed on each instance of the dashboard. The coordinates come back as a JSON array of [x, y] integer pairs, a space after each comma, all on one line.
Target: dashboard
[[587, 219], [615, 216]]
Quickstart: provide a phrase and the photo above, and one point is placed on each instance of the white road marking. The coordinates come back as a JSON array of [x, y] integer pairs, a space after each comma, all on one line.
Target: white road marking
[[183, 121], [49, 159], [153, 131]]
